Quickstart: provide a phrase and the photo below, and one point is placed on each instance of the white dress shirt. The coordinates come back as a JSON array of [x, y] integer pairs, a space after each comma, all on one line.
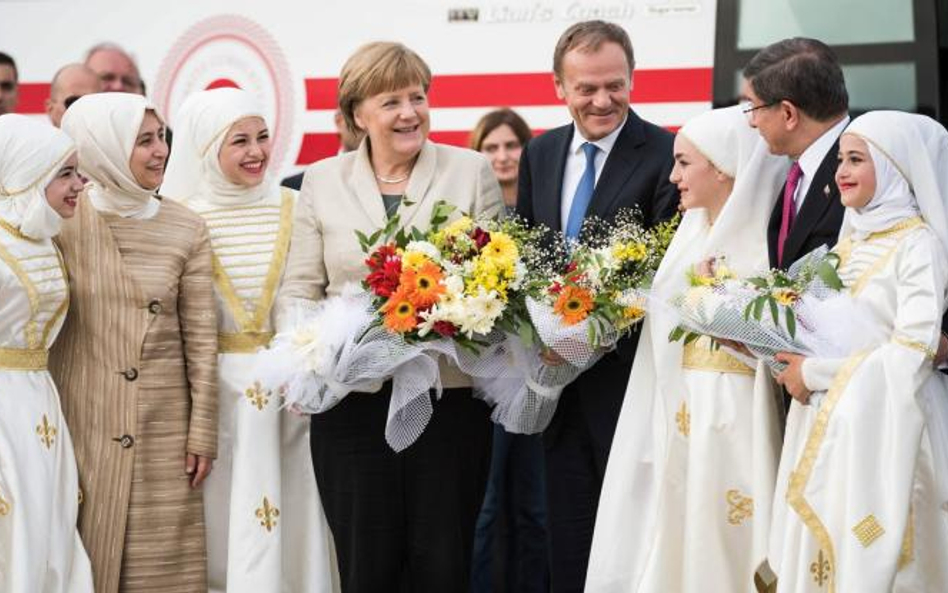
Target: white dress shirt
[[813, 156], [576, 165]]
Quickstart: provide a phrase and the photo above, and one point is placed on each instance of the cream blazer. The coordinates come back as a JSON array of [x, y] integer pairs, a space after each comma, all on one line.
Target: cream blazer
[[339, 196]]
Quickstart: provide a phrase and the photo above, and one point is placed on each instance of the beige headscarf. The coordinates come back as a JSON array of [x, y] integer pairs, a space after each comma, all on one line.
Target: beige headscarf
[[105, 127], [31, 153], [201, 125]]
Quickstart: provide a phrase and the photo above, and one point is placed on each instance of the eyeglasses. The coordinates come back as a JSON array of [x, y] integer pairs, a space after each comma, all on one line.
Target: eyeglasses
[[748, 108]]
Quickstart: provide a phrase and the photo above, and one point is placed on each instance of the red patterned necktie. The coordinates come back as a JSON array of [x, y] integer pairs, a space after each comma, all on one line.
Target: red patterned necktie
[[789, 208]]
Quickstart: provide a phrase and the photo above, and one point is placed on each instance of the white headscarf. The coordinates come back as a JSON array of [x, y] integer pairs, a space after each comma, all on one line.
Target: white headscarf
[[105, 127], [31, 153], [201, 125], [910, 155]]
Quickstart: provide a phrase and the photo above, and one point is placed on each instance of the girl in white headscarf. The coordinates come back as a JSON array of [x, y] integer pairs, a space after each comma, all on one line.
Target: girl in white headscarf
[[684, 505], [862, 491], [40, 549], [219, 169], [136, 363]]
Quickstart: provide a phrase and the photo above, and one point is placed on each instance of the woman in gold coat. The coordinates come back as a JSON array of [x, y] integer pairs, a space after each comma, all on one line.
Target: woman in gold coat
[[136, 359]]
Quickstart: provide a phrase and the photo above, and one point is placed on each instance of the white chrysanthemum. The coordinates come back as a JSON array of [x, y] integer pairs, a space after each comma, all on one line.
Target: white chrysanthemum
[[520, 274], [481, 311], [424, 247]]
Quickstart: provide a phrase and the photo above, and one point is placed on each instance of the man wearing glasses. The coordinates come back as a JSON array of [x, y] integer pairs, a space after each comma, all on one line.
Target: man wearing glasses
[[795, 96], [9, 84], [70, 83]]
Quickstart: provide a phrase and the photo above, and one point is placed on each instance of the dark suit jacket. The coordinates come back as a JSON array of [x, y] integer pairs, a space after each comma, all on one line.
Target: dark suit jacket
[[293, 181], [818, 221], [635, 174]]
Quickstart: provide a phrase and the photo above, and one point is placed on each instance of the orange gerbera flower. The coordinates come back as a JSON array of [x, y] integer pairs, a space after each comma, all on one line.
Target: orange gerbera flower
[[423, 285], [573, 304], [400, 314]]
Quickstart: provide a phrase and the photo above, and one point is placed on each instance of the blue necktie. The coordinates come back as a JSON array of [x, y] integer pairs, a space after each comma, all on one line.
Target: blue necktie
[[584, 193]]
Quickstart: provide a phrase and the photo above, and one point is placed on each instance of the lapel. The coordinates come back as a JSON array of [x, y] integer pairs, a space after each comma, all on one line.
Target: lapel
[[819, 198], [109, 257], [422, 176], [362, 181], [548, 185], [623, 160]]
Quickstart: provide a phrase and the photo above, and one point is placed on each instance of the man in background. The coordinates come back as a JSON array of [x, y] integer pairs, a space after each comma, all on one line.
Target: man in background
[[9, 84], [115, 68], [69, 83]]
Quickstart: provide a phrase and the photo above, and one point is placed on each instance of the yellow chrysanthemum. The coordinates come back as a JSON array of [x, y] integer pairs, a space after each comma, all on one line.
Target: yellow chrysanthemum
[[633, 251], [414, 260], [461, 225], [502, 249], [786, 296]]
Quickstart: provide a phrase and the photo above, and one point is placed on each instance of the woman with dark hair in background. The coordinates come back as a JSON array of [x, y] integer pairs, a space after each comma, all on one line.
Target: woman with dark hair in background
[[515, 501]]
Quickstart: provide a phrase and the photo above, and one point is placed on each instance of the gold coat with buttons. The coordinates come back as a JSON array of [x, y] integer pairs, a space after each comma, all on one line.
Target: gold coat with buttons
[[136, 367]]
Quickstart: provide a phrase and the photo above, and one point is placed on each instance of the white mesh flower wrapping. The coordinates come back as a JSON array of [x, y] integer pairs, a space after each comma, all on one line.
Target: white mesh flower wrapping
[[334, 349], [572, 342], [719, 312]]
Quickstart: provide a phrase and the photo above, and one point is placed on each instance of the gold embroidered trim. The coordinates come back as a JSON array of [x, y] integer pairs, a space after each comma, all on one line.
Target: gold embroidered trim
[[63, 305], [16, 232], [907, 553], [914, 345], [16, 359], [243, 343], [740, 507], [845, 248], [800, 477], [225, 286], [250, 207], [868, 531], [46, 432], [267, 513], [699, 355], [237, 225], [5, 507], [822, 571], [258, 396], [32, 339], [683, 419]]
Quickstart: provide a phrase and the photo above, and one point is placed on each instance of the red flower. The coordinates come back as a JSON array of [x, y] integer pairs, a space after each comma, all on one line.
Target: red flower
[[445, 329], [555, 288], [570, 267], [381, 255], [480, 237], [384, 280]]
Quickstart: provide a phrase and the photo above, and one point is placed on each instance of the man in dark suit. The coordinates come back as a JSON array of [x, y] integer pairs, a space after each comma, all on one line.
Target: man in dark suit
[[606, 160], [796, 98]]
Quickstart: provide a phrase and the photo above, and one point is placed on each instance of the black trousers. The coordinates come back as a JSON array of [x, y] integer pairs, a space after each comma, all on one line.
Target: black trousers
[[402, 522]]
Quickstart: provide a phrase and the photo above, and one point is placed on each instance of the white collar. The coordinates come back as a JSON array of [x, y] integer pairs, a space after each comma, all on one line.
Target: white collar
[[604, 144], [813, 156]]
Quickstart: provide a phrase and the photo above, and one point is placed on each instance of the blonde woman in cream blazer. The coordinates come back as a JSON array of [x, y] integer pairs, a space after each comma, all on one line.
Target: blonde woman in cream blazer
[[400, 520]]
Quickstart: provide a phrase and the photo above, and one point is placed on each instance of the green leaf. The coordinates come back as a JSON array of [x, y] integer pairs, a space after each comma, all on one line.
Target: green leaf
[[758, 282], [676, 334], [691, 337], [759, 303], [749, 310], [791, 322], [773, 310], [363, 241], [527, 334], [828, 275]]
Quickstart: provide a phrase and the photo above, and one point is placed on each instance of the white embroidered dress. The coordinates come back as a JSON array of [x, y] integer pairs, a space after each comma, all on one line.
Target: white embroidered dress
[[860, 506], [266, 528], [686, 497], [40, 549]]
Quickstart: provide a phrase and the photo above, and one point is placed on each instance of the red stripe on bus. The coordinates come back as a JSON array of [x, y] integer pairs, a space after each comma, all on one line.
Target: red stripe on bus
[[321, 145], [671, 85], [33, 97]]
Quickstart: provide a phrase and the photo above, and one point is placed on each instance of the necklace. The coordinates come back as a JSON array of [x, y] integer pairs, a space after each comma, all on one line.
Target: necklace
[[392, 180]]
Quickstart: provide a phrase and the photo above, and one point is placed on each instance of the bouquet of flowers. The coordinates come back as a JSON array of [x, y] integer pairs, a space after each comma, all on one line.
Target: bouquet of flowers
[[595, 296], [582, 297], [448, 291], [459, 281], [772, 312]]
